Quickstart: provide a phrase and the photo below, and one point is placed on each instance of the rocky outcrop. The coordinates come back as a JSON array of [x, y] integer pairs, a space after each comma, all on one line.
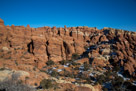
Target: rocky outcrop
[[35, 46]]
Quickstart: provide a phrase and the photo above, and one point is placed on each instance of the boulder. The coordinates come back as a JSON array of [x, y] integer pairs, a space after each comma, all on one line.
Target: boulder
[[9, 74], [80, 88], [103, 38]]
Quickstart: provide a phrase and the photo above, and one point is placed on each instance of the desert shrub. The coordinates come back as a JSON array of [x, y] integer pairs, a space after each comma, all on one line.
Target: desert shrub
[[127, 83], [126, 74], [43, 71], [83, 76], [68, 74], [14, 84], [16, 62], [104, 78], [74, 63], [108, 74], [86, 66], [71, 75], [1, 69], [34, 68], [117, 83], [85, 47], [101, 79], [105, 89], [63, 62], [128, 86], [47, 83], [75, 56], [78, 63], [116, 68], [88, 81], [50, 62], [76, 68], [8, 58], [54, 73]]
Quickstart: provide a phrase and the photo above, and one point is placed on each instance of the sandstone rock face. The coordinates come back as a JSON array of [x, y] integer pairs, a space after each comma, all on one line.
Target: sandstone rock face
[[54, 49], [69, 49], [35, 46]]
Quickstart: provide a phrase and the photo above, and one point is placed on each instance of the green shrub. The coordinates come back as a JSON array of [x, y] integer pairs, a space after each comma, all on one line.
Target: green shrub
[[63, 62], [85, 47], [74, 63], [108, 74], [101, 79], [1, 69], [88, 81], [43, 71], [68, 74], [86, 66], [117, 83], [54, 73], [116, 68], [46, 83], [16, 62], [75, 56], [105, 89], [50, 62], [76, 68]]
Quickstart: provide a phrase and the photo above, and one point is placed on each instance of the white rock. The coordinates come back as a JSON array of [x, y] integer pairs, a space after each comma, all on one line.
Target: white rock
[[5, 48]]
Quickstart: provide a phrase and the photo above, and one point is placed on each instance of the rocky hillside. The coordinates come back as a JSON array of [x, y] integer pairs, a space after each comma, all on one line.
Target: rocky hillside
[[34, 49]]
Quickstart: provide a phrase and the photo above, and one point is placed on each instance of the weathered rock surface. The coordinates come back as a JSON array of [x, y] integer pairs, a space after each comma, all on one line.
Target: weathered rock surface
[[35, 46]]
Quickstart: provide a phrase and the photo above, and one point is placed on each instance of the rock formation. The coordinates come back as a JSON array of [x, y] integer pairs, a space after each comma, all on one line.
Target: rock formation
[[35, 46]]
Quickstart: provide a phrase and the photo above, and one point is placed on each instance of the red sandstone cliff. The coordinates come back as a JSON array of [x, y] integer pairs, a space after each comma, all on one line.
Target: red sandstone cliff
[[35, 46]]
